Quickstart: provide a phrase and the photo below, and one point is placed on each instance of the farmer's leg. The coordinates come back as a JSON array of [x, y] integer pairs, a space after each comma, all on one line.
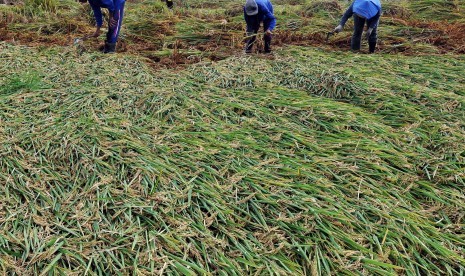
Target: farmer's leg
[[253, 25], [374, 34], [114, 29], [359, 23], [267, 37], [372, 40]]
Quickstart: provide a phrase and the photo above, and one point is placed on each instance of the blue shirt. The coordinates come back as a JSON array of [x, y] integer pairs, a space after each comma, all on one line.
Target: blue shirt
[[265, 13], [366, 8], [111, 5], [369, 9]]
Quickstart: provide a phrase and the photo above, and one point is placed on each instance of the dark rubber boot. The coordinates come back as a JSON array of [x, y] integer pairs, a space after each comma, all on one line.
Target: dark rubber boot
[[109, 48], [250, 43], [248, 48], [372, 47], [267, 39]]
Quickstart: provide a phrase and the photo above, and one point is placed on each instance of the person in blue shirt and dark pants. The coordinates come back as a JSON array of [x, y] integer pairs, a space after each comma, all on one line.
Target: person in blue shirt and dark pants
[[116, 9], [255, 12], [368, 11]]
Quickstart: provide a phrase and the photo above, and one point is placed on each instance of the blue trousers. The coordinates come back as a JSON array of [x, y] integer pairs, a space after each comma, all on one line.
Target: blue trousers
[[116, 15], [359, 23], [253, 25]]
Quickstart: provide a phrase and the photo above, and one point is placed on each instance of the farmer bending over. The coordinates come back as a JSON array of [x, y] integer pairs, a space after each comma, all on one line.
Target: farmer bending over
[[363, 11], [116, 9], [255, 12]]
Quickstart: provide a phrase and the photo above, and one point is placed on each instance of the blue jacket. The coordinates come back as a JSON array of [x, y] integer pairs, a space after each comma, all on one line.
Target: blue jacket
[[265, 13], [368, 9], [111, 5]]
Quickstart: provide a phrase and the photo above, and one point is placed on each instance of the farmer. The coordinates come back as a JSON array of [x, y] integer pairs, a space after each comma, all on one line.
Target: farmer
[[255, 12], [363, 11], [116, 9]]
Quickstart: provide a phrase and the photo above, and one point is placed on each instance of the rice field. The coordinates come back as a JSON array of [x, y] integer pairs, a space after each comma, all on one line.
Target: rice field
[[182, 156]]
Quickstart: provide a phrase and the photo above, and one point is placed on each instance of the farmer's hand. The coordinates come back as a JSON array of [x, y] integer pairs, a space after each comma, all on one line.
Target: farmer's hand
[[368, 34], [268, 32], [113, 22], [96, 33], [338, 29]]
